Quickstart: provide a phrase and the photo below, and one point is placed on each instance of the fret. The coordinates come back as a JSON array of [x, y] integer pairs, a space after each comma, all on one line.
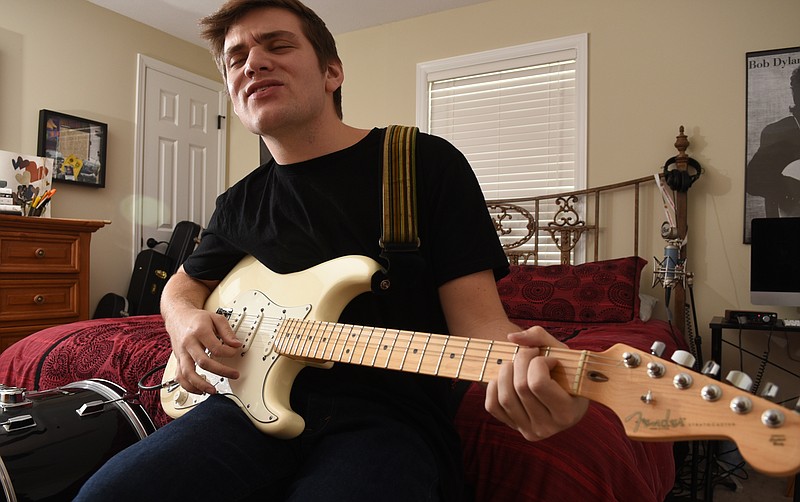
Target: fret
[[500, 353], [325, 337], [378, 348], [335, 332], [473, 361], [306, 340], [387, 346], [296, 337], [349, 342], [421, 352], [411, 337], [293, 336], [317, 336], [452, 356], [366, 343], [461, 360], [441, 354], [356, 341], [430, 359]]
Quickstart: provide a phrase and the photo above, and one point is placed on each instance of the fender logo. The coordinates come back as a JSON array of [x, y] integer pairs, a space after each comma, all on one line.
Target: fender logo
[[665, 423]]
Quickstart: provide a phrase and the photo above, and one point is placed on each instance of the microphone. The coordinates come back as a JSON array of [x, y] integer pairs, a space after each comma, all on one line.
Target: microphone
[[670, 270], [671, 257]]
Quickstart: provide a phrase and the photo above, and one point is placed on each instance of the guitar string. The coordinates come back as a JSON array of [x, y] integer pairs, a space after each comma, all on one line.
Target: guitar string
[[332, 333], [498, 347]]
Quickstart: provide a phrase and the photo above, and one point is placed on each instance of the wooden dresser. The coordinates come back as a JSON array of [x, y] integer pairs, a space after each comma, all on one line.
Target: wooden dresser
[[44, 273]]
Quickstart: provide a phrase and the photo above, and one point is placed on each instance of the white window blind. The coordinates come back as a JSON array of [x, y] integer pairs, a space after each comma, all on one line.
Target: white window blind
[[517, 114]]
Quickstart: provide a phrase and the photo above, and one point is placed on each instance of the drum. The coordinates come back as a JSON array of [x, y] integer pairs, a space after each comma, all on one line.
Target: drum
[[52, 441]]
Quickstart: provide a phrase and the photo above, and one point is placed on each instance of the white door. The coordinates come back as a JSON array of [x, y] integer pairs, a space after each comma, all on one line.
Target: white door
[[181, 138]]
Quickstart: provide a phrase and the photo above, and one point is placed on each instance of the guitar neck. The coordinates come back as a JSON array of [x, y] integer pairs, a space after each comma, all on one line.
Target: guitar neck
[[469, 359]]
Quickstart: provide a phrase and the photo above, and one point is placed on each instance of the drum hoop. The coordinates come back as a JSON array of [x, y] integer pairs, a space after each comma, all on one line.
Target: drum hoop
[[8, 485], [107, 389]]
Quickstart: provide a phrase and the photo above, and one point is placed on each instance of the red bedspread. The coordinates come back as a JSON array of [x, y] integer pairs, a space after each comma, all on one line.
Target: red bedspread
[[592, 461]]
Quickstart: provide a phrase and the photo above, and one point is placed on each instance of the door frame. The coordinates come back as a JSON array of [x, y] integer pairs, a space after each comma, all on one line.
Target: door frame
[[144, 63]]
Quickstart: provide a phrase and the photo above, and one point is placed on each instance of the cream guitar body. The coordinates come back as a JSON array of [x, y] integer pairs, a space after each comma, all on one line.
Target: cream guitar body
[[286, 322], [319, 293]]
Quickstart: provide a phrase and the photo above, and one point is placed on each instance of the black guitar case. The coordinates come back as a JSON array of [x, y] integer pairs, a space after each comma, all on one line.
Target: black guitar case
[[151, 271]]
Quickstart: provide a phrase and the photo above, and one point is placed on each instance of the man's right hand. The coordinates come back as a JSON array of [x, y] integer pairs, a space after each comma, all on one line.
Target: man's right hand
[[198, 337]]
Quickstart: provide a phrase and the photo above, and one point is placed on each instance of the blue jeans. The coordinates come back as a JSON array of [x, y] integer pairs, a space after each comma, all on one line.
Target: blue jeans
[[215, 453]]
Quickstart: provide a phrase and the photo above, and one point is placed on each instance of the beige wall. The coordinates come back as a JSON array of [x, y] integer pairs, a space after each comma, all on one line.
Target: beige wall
[[653, 67], [74, 57]]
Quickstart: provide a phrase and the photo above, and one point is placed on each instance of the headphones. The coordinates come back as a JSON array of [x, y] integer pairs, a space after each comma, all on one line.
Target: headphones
[[679, 180]]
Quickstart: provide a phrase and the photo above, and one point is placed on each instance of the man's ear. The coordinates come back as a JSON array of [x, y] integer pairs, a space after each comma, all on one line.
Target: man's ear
[[334, 76]]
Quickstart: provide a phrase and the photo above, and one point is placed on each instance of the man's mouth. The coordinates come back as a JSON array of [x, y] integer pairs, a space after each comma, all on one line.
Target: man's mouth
[[260, 88]]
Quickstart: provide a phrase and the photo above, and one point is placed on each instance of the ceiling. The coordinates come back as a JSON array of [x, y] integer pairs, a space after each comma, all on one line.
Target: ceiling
[[179, 17]]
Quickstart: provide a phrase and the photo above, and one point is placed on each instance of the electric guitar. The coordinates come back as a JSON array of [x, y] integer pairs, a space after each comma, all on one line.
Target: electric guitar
[[286, 328]]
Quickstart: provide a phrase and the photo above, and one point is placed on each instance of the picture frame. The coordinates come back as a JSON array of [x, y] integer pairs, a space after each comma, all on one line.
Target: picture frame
[[772, 143], [77, 147]]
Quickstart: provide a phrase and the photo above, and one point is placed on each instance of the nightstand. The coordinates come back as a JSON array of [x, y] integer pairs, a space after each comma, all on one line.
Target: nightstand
[[44, 273]]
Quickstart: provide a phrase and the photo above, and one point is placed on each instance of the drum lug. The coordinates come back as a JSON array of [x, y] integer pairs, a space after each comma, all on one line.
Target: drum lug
[[13, 397], [90, 408], [14, 424]]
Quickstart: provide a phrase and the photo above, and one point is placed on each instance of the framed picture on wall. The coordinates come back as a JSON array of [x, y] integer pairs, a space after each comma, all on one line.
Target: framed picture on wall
[[772, 168], [77, 147]]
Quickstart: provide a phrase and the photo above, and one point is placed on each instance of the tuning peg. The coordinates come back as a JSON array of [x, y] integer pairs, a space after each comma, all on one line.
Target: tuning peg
[[711, 369], [739, 380], [770, 391], [657, 348], [683, 358]]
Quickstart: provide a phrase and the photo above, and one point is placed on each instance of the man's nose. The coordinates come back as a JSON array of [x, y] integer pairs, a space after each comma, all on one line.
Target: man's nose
[[257, 60]]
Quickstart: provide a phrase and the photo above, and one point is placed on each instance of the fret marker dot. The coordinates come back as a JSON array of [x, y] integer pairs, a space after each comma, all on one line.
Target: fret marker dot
[[452, 355], [385, 347], [499, 361]]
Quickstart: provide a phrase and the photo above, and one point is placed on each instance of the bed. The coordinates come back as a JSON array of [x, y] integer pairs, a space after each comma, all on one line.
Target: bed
[[590, 306]]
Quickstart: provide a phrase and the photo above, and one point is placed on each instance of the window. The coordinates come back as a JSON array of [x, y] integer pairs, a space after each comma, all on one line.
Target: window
[[518, 115]]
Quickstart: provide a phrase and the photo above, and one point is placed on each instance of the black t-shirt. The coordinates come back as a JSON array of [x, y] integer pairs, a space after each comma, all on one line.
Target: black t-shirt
[[296, 216]]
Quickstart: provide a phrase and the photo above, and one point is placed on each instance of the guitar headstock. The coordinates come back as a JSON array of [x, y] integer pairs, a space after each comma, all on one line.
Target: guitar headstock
[[659, 400]]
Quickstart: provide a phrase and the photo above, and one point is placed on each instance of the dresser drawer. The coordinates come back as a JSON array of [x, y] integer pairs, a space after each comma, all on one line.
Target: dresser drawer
[[20, 252], [37, 299]]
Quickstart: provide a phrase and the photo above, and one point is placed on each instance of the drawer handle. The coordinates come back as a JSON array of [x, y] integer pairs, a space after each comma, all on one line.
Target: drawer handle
[[38, 299], [39, 252]]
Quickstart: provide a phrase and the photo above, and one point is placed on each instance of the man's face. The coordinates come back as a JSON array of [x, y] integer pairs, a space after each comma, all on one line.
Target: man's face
[[273, 74]]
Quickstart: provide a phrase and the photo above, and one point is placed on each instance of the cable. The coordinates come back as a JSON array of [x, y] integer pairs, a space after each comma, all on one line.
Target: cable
[[147, 375], [763, 366], [698, 341]]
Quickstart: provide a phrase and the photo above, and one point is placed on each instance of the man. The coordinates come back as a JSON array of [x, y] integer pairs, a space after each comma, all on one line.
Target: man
[[370, 434], [774, 171]]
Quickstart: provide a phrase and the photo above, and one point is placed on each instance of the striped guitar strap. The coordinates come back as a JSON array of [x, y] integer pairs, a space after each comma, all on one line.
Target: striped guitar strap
[[399, 240]]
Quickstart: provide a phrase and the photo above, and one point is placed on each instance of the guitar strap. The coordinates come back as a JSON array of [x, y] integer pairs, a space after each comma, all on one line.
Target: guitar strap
[[399, 240]]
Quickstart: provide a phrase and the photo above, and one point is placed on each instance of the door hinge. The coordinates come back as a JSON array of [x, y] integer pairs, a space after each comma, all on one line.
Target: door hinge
[[220, 118]]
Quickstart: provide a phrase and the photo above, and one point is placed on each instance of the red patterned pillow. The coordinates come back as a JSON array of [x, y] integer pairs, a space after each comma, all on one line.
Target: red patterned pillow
[[596, 292]]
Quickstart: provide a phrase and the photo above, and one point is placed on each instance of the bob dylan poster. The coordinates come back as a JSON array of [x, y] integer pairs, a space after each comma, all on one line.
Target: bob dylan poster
[[772, 172]]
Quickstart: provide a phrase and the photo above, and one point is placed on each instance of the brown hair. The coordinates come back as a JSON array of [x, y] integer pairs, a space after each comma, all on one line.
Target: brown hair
[[215, 27]]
